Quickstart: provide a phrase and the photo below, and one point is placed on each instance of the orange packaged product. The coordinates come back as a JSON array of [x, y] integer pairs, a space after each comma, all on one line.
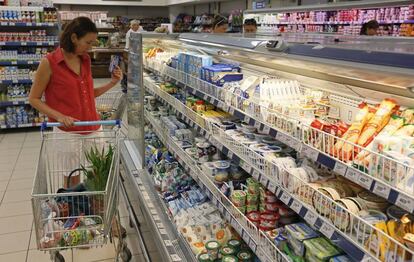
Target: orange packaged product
[[377, 122], [344, 150]]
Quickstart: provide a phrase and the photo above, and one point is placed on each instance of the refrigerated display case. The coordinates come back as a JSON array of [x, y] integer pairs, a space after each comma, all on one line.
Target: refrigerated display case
[[322, 123]]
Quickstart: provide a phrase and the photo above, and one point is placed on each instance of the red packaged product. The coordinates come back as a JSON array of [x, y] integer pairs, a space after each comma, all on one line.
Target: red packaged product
[[269, 219], [254, 217]]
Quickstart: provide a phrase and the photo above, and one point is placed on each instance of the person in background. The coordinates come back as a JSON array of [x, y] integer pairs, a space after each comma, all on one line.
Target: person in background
[[250, 26], [220, 24], [370, 28], [134, 27]]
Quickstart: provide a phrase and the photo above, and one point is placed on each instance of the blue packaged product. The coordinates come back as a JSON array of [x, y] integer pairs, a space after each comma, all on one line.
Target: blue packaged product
[[296, 234], [221, 78]]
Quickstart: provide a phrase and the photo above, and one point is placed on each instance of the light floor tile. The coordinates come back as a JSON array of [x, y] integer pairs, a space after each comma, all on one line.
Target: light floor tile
[[20, 184], [16, 209], [5, 175], [25, 165], [40, 256], [32, 144], [14, 257], [149, 242], [17, 195], [3, 185], [23, 173], [15, 224], [14, 242], [7, 166], [94, 254]]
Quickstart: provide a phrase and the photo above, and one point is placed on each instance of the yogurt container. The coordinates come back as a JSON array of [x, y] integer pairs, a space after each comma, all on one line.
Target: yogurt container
[[245, 256], [238, 198], [372, 201], [213, 248], [235, 244], [227, 251], [340, 213], [204, 258], [229, 259], [269, 219], [254, 217]]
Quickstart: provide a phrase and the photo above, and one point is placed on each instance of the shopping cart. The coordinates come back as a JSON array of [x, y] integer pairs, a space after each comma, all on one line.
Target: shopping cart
[[73, 205], [110, 105]]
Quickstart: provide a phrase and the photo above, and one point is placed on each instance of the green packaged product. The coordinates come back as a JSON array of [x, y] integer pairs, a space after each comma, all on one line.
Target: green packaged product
[[229, 259], [320, 249], [213, 249], [234, 243], [204, 258], [252, 199], [227, 251], [245, 256], [252, 186]]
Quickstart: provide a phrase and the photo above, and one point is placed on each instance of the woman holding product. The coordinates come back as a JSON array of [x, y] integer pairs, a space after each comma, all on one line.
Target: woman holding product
[[65, 78]]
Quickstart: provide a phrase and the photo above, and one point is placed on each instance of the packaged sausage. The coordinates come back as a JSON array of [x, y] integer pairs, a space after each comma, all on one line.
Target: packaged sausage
[[377, 122]]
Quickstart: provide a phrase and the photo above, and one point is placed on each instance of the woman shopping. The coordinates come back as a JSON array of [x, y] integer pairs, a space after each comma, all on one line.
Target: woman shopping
[[65, 79]]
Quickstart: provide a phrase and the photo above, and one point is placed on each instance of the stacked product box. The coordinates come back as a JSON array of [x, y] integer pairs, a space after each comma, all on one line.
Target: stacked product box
[[192, 63], [218, 74]]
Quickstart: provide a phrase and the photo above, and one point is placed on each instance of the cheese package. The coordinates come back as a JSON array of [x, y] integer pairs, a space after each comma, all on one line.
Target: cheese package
[[320, 249], [344, 150], [296, 234], [377, 122]]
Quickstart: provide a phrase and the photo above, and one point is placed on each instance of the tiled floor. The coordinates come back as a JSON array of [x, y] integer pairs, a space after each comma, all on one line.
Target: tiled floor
[[19, 152]]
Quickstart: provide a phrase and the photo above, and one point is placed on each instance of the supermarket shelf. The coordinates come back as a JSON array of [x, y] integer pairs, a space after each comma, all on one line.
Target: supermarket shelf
[[257, 240], [20, 126], [22, 81], [19, 62], [271, 176], [14, 103], [209, 93], [155, 215], [28, 24], [49, 43]]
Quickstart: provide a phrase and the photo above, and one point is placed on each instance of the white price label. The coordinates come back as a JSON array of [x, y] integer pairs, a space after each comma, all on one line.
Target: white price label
[[215, 201], [220, 104], [29, 24], [156, 218], [382, 190], [285, 198], [311, 217], [162, 231], [15, 102], [327, 230], [3, 23], [257, 124], [405, 202], [226, 108], [310, 153], [281, 137], [247, 119], [236, 226], [256, 174], [39, 43], [205, 97], [246, 237], [264, 180], [231, 110], [352, 174], [228, 216], [168, 243], [230, 154], [266, 129], [160, 225], [2, 43], [244, 165], [14, 62], [272, 187], [340, 168], [296, 206], [30, 62], [252, 245], [176, 258], [365, 181]]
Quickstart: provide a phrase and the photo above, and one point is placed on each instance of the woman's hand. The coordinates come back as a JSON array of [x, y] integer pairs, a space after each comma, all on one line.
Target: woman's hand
[[66, 121], [116, 75]]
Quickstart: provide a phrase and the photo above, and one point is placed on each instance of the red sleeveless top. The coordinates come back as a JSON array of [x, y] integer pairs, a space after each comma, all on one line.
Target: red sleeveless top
[[69, 93]]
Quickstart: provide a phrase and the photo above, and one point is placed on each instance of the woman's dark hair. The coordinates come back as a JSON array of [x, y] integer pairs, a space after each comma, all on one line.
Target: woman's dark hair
[[373, 24], [219, 20], [251, 21], [79, 26]]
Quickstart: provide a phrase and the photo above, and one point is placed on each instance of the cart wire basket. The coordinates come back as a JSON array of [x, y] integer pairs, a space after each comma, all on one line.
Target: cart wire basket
[[70, 209], [111, 105]]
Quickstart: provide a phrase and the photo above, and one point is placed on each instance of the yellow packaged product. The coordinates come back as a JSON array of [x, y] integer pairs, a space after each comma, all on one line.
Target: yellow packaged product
[[377, 122]]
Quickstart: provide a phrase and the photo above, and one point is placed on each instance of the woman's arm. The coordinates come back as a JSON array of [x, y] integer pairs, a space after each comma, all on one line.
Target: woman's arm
[[116, 76], [40, 83]]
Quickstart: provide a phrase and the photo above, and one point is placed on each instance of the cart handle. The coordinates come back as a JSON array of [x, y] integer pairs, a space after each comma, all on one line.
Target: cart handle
[[84, 123]]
